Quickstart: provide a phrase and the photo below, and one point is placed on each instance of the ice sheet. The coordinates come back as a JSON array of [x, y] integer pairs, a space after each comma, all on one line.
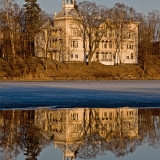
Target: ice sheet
[[80, 94]]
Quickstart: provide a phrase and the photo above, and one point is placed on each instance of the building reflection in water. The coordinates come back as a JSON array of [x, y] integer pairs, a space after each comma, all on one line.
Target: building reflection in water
[[79, 132]]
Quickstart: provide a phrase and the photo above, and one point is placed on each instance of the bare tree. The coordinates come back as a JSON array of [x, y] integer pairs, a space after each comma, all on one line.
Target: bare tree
[[149, 34], [89, 18], [124, 30], [7, 9], [13, 35]]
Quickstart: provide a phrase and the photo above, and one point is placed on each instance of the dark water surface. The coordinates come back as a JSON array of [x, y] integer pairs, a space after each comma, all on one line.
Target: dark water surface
[[80, 120]]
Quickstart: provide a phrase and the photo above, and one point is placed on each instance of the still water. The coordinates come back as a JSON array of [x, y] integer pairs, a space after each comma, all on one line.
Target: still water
[[80, 120], [80, 133]]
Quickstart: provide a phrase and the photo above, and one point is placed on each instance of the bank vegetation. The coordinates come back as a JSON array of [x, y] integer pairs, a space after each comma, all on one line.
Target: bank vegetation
[[19, 25]]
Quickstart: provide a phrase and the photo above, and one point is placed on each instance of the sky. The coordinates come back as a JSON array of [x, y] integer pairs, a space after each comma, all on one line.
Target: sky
[[141, 6], [142, 152]]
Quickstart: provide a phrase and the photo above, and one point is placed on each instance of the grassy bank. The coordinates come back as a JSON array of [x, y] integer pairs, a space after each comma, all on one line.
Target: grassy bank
[[37, 69]]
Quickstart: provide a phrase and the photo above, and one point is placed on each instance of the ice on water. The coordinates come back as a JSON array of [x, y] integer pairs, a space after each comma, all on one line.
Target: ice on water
[[80, 94]]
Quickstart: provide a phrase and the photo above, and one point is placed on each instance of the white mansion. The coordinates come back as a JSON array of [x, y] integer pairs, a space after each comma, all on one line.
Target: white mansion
[[60, 41]]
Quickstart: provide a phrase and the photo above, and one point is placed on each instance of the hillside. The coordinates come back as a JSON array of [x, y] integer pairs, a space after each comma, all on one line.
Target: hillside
[[36, 69]]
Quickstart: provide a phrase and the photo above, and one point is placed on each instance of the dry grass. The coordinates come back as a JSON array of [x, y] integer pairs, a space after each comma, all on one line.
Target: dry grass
[[35, 70]]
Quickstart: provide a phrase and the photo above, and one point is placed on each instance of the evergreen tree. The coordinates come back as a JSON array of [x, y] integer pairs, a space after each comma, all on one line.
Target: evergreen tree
[[32, 15]]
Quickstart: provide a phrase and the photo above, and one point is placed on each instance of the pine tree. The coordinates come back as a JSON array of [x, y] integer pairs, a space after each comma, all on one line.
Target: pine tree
[[32, 15]]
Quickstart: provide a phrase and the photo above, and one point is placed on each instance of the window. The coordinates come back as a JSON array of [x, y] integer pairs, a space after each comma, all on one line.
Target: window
[[105, 114], [127, 57], [50, 43], [109, 56], [130, 35], [74, 116], [105, 45], [74, 32], [97, 55], [110, 33], [104, 56], [122, 113], [76, 56], [110, 115], [132, 56], [110, 44], [71, 55], [75, 127], [130, 46], [110, 125], [117, 46], [74, 44], [60, 43], [60, 32], [49, 33]]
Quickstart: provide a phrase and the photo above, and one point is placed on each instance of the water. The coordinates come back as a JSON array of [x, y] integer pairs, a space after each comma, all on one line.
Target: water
[[80, 120], [79, 94], [80, 133]]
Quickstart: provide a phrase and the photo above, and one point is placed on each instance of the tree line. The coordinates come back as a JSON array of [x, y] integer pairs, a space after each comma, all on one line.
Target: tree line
[[91, 16], [19, 25]]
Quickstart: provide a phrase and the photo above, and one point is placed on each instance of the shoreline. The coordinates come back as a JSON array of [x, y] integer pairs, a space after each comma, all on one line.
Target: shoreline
[[78, 78]]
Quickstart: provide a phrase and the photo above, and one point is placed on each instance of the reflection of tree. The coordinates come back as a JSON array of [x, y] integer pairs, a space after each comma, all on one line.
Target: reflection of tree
[[83, 133], [93, 145], [123, 138], [32, 143], [118, 139], [117, 134], [149, 126], [8, 133], [122, 147], [18, 132], [92, 142]]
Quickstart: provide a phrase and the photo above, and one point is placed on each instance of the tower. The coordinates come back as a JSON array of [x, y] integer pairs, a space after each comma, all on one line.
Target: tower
[[68, 3]]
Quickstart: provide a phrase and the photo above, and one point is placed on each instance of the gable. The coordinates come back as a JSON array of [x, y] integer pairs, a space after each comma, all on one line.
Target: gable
[[47, 25]]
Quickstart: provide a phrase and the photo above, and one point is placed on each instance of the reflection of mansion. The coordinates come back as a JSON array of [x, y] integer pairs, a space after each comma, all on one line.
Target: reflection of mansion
[[70, 126], [61, 41]]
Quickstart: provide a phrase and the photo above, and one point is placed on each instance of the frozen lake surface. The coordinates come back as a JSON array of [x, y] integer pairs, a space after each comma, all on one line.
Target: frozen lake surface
[[79, 94]]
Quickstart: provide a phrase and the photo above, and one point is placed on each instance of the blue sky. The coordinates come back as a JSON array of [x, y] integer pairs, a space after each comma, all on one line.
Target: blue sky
[[142, 6]]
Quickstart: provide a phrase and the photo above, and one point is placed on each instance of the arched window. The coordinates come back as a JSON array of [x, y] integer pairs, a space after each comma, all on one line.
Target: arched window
[[102, 43]]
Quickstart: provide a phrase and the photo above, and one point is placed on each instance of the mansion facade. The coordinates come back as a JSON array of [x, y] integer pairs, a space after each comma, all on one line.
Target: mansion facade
[[60, 40]]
